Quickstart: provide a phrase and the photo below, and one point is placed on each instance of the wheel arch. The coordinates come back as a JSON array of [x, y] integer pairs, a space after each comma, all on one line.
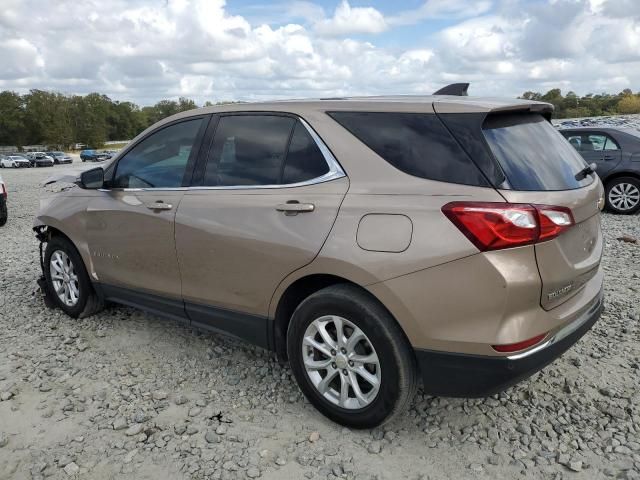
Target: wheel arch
[[295, 293], [620, 174]]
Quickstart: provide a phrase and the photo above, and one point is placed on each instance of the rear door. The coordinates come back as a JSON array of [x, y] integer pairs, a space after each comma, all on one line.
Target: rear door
[[542, 168], [269, 194]]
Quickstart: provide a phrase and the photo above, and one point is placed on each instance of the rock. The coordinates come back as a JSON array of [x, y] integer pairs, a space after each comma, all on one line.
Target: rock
[[375, 447], [180, 399], [221, 430], [119, 423], [134, 430], [194, 411], [314, 437], [280, 461], [253, 472], [575, 465], [476, 467], [71, 469], [627, 239], [4, 440], [4, 396], [65, 460], [212, 437], [159, 395]]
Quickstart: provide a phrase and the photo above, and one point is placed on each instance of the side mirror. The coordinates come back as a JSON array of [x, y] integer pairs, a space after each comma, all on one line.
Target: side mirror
[[92, 179]]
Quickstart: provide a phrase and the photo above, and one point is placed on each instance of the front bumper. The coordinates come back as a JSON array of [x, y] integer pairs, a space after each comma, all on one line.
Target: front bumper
[[463, 375]]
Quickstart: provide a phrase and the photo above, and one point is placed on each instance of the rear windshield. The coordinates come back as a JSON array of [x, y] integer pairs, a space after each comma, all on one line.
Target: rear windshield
[[533, 154], [415, 143]]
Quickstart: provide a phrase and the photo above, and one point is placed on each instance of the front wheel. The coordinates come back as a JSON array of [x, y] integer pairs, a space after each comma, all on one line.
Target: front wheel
[[67, 279], [350, 358], [623, 195]]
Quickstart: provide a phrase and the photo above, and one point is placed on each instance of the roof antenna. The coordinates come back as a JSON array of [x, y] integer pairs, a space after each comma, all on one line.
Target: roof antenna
[[458, 89]]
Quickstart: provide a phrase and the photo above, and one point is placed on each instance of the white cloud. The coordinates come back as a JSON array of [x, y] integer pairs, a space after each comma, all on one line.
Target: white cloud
[[348, 20], [146, 50]]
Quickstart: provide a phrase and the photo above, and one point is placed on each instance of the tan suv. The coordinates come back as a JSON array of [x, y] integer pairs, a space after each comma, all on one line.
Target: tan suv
[[368, 241]]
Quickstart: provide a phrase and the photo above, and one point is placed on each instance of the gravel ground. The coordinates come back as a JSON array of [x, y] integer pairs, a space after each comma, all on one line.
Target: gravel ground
[[128, 395]]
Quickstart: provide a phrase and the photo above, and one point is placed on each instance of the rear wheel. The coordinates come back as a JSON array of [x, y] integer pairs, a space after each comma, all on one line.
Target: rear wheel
[[67, 279], [350, 358], [623, 195]]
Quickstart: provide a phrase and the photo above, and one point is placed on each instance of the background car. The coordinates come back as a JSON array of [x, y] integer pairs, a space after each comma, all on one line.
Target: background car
[[60, 157], [40, 159], [93, 156], [14, 161], [616, 153], [3, 203]]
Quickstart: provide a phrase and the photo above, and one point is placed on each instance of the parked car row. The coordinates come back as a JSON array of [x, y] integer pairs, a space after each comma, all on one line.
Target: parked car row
[[34, 159]]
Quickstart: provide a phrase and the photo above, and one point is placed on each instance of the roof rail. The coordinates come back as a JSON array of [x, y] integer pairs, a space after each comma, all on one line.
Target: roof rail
[[459, 89]]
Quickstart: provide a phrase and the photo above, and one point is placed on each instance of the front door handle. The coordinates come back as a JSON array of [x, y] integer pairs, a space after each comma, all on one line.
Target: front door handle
[[160, 205], [608, 157], [294, 207]]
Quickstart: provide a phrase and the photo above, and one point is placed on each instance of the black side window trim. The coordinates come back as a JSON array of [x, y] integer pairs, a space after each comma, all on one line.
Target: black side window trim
[[110, 171]]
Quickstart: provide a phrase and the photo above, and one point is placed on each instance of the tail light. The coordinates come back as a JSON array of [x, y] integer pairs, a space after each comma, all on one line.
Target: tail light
[[494, 226], [3, 190]]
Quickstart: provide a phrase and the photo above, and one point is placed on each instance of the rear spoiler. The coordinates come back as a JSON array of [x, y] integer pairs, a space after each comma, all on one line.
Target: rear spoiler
[[457, 89]]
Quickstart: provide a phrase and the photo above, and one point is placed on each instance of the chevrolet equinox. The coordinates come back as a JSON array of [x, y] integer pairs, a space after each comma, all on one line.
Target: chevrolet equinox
[[370, 242]]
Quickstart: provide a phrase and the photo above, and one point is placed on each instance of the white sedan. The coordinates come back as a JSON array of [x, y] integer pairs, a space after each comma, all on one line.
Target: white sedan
[[14, 161]]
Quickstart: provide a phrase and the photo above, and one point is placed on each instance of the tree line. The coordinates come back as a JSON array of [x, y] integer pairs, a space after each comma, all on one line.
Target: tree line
[[49, 118], [573, 106]]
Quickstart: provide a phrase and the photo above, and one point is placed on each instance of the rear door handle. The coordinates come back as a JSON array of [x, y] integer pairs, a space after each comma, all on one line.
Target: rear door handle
[[294, 207], [160, 205]]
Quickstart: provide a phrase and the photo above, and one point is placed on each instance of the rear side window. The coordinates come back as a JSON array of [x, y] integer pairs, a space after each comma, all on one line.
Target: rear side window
[[248, 150], [304, 159], [533, 154], [253, 150], [415, 143]]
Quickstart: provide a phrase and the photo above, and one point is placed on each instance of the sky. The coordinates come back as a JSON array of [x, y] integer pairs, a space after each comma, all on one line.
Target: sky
[[147, 50]]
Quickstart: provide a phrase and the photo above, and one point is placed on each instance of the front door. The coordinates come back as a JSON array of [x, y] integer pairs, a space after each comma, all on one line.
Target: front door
[[130, 224], [267, 200]]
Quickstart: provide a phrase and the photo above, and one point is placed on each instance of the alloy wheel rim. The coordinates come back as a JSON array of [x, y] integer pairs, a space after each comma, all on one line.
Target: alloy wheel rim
[[624, 196], [341, 362], [64, 278]]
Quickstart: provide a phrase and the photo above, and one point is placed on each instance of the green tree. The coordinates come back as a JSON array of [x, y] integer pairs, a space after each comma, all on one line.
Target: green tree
[[629, 104], [12, 130]]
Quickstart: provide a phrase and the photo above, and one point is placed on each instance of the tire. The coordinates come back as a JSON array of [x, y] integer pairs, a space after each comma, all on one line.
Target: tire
[[87, 302], [383, 339], [622, 195], [4, 214]]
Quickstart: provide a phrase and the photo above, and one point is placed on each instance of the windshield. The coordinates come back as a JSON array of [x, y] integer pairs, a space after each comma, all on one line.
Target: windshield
[[533, 154]]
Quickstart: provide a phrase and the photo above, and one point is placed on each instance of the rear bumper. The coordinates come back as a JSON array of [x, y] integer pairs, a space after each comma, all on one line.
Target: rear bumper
[[464, 375]]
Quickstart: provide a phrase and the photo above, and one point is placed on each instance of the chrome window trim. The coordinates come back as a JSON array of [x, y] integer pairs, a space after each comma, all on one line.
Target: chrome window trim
[[335, 172]]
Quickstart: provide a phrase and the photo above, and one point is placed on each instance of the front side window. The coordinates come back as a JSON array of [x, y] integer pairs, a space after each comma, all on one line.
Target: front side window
[[160, 160], [259, 150]]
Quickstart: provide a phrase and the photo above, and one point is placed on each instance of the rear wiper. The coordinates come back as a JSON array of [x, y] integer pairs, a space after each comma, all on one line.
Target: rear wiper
[[588, 170]]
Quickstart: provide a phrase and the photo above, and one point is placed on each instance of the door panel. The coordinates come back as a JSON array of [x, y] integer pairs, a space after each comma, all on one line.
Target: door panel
[[236, 245], [131, 240]]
